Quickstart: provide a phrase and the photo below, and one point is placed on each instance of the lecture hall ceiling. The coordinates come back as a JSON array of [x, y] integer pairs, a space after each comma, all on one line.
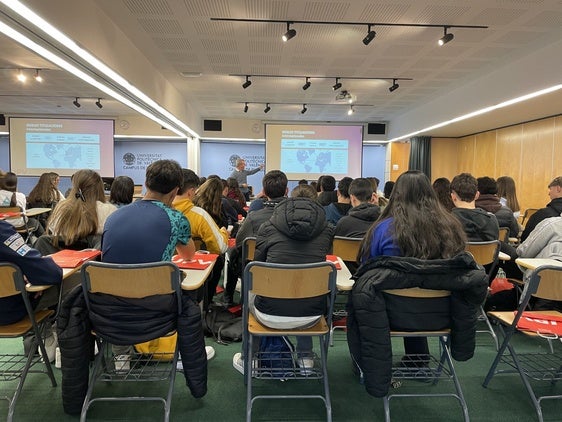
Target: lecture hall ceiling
[[178, 37]]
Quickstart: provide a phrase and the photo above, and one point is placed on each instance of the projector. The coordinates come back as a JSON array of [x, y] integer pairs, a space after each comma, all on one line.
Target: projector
[[344, 96]]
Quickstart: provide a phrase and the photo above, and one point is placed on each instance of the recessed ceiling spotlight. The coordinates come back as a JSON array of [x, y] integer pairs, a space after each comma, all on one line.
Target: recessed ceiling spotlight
[[21, 76]]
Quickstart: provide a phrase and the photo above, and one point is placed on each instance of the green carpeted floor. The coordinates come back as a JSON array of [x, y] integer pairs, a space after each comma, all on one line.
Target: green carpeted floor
[[504, 400]]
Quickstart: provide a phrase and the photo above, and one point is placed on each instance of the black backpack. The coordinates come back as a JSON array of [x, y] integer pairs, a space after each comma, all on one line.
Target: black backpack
[[222, 325]]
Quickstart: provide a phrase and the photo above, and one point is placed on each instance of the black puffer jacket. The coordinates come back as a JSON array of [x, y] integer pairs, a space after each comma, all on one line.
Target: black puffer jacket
[[372, 314], [159, 317], [296, 233]]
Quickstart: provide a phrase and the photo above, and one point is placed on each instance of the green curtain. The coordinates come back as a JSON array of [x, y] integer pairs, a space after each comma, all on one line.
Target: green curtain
[[420, 154]]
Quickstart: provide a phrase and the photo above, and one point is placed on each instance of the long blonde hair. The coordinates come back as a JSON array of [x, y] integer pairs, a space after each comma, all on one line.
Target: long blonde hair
[[76, 217]]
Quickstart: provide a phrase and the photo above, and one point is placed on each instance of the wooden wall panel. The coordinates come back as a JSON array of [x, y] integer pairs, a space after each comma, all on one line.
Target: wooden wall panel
[[465, 155], [484, 154], [537, 167], [443, 158], [399, 156], [557, 162], [508, 153]]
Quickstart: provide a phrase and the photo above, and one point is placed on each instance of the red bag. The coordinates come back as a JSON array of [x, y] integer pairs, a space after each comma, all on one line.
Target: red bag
[[500, 283], [540, 323]]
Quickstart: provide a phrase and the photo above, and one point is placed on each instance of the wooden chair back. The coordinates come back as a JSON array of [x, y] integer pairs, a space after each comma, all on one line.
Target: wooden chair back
[[550, 285], [8, 274], [248, 249], [290, 281], [484, 253], [130, 280], [347, 248], [416, 292], [504, 234], [527, 214]]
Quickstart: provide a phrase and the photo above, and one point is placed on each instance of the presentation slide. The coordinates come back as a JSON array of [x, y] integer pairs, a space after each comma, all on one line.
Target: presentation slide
[[309, 151], [61, 145]]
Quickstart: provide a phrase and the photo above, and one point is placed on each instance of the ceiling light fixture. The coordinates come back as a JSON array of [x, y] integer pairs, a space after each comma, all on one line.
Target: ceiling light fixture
[[247, 83], [245, 107], [304, 109], [21, 76], [350, 111], [446, 36], [306, 84], [289, 34], [370, 35], [76, 103], [394, 86], [38, 77], [98, 103], [337, 85], [267, 108], [112, 83]]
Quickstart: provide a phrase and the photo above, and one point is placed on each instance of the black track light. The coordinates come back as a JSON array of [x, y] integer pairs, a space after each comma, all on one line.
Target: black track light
[[267, 108], [247, 83], [350, 111], [306, 84], [446, 37], [304, 109], [337, 85], [394, 86], [98, 103], [76, 103], [370, 36], [38, 77], [289, 34], [245, 107]]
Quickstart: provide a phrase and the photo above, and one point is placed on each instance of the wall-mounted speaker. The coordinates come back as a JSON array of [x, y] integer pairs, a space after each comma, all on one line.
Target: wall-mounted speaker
[[376, 129], [2, 120], [212, 125]]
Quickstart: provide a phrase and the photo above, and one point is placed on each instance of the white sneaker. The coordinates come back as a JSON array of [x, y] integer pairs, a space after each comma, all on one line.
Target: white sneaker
[[51, 344], [306, 365], [238, 362], [210, 352]]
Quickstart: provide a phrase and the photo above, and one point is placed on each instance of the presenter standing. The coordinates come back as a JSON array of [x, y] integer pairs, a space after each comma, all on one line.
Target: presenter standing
[[241, 175]]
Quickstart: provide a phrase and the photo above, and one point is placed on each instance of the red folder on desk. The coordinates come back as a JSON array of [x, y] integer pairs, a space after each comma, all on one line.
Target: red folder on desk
[[68, 258], [334, 260], [200, 261]]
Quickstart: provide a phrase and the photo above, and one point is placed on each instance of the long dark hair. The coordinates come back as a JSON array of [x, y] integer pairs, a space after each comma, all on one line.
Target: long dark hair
[[421, 226], [442, 188]]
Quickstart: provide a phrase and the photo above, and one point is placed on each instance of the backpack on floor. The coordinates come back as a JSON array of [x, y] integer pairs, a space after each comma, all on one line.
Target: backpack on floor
[[221, 324]]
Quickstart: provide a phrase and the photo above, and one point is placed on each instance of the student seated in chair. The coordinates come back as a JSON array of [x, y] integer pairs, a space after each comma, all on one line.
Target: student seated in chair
[[77, 222], [36, 270], [413, 224], [296, 233]]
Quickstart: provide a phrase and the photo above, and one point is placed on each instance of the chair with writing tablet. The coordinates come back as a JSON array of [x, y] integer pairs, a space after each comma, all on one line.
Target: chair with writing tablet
[[17, 366], [537, 364], [346, 248], [486, 254], [135, 282]]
